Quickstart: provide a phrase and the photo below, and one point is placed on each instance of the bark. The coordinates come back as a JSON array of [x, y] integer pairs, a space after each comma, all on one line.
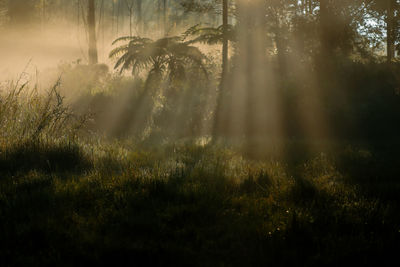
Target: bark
[[140, 16], [326, 20], [391, 32], [225, 39], [165, 17], [129, 5], [93, 55], [43, 13], [225, 51]]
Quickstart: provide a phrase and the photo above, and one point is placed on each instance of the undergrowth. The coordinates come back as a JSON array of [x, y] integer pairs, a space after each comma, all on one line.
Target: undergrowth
[[64, 202]]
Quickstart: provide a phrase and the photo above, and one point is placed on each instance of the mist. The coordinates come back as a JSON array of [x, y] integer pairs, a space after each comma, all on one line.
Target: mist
[[271, 74], [199, 132]]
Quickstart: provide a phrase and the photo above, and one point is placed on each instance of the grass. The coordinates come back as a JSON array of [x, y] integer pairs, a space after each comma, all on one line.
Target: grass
[[69, 202], [194, 205]]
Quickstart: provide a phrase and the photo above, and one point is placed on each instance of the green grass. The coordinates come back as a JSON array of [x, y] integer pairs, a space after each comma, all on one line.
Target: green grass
[[193, 205]]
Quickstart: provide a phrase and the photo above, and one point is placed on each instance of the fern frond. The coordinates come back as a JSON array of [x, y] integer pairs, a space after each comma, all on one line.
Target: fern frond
[[118, 50]]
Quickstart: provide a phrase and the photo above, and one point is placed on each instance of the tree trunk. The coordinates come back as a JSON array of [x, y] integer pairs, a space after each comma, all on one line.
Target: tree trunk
[[225, 39], [43, 13], [165, 17], [139, 16], [225, 43], [93, 56], [130, 5], [130, 22], [325, 20], [390, 28], [118, 13]]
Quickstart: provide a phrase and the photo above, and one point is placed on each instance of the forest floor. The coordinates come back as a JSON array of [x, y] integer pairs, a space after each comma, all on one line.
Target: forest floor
[[64, 204]]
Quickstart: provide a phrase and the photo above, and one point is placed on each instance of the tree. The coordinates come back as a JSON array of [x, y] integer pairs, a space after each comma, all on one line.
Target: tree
[[168, 58], [390, 29], [165, 21], [130, 5], [93, 55], [168, 55], [210, 35], [21, 12], [225, 41], [139, 15], [386, 10]]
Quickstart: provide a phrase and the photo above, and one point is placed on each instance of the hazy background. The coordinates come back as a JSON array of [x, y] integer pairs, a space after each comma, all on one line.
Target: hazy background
[[275, 70], [49, 33]]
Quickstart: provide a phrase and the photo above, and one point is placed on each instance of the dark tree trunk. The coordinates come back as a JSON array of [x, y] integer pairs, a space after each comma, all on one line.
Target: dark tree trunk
[[225, 43], [225, 40], [139, 16], [21, 12], [390, 27], [327, 29], [310, 7], [43, 13], [93, 56], [165, 17]]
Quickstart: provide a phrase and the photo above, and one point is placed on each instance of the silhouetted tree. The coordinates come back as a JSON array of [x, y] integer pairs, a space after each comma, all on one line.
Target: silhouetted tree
[[21, 12], [167, 55], [130, 6], [139, 15], [91, 21], [391, 24]]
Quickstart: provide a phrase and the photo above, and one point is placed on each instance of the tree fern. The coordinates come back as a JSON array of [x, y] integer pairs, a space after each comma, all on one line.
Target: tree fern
[[169, 55]]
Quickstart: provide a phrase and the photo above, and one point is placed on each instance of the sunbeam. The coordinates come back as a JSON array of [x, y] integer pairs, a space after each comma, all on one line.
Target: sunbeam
[[199, 132]]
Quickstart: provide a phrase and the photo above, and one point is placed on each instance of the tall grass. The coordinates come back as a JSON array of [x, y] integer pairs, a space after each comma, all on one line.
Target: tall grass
[[37, 129], [25, 114]]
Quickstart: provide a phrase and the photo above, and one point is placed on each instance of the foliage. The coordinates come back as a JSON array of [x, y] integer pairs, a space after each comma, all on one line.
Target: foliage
[[198, 7], [27, 115], [209, 35], [168, 54], [39, 131]]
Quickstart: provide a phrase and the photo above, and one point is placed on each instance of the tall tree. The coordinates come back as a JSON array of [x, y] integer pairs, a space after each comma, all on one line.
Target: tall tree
[[139, 16], [130, 5], [325, 20], [93, 55], [385, 10], [225, 41], [210, 35], [391, 29], [165, 22], [44, 11], [21, 12], [225, 51]]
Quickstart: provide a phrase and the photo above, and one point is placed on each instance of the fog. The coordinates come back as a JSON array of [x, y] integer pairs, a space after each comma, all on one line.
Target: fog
[[272, 72], [199, 132], [39, 51]]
